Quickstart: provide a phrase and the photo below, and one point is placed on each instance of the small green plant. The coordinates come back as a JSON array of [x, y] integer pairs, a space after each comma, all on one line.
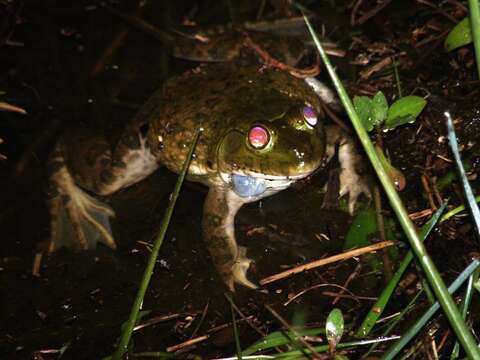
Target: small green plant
[[334, 330], [375, 112]]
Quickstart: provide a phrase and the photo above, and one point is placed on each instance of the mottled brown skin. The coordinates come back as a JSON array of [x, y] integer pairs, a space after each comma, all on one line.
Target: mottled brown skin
[[236, 98], [226, 100]]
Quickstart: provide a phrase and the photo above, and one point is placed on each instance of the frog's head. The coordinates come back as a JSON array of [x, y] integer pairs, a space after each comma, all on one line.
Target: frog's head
[[278, 141]]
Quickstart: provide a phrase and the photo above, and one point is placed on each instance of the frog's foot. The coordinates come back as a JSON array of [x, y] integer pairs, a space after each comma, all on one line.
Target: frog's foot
[[78, 220], [353, 185], [352, 182], [239, 270], [234, 272]]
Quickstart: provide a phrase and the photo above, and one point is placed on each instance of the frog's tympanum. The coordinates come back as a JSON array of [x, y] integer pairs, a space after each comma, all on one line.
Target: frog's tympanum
[[263, 130]]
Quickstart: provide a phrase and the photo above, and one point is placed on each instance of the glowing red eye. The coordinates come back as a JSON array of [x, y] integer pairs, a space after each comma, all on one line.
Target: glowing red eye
[[310, 115], [258, 137]]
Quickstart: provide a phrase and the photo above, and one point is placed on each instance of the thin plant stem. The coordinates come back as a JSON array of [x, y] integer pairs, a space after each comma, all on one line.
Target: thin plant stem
[[147, 275], [397, 78], [235, 329]]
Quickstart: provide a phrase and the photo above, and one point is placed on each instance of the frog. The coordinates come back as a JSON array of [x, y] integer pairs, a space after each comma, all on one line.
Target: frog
[[262, 130]]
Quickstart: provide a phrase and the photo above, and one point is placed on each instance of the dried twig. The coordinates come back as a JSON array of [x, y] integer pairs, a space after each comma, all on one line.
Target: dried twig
[[347, 282], [187, 343], [271, 61], [328, 260]]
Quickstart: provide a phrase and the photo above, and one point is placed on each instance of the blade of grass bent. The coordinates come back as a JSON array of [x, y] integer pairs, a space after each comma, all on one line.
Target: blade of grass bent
[[461, 330], [377, 309], [147, 275]]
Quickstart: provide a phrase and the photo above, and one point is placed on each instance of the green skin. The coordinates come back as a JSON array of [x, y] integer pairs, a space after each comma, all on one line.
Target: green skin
[[226, 101]]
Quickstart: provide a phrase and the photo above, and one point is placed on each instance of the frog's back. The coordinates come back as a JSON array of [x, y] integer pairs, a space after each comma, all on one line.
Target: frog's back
[[218, 98]]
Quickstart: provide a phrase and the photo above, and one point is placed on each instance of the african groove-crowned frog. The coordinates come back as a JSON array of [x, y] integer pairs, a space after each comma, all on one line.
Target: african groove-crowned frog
[[262, 130]]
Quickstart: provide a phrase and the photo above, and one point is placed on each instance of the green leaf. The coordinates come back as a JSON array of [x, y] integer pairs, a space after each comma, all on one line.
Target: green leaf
[[380, 108], [363, 107], [460, 35], [363, 226], [334, 327], [404, 110]]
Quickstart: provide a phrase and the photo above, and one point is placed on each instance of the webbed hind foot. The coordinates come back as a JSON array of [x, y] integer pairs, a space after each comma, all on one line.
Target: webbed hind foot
[[78, 220]]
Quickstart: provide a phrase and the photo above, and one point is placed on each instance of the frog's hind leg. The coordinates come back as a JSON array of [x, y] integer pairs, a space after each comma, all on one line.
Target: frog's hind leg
[[230, 259], [85, 160], [78, 220]]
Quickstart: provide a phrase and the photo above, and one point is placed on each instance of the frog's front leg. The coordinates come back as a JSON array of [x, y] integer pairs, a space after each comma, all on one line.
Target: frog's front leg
[[352, 182], [83, 161], [219, 212]]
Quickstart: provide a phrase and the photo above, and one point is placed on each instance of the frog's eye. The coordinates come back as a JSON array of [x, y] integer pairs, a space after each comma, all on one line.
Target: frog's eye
[[310, 115], [258, 137]]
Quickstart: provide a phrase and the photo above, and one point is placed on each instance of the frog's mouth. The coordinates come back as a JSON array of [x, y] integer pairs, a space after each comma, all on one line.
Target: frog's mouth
[[253, 184]]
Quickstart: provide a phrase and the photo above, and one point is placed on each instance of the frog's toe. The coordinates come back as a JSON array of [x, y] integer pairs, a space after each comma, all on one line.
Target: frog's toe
[[240, 268], [79, 221], [237, 273]]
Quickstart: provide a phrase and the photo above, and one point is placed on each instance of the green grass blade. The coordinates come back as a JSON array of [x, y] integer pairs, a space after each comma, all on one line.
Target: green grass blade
[[448, 304], [398, 346], [456, 210], [296, 354], [475, 23], [466, 185], [235, 329], [147, 275], [465, 305], [279, 338], [395, 321], [377, 308]]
